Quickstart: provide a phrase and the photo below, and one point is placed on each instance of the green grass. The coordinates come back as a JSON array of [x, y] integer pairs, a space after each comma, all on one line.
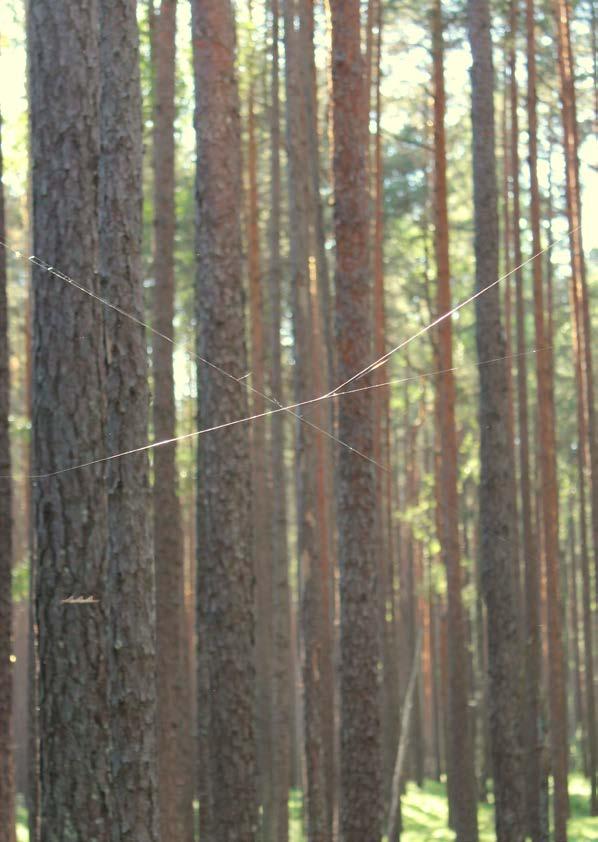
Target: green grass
[[425, 815]]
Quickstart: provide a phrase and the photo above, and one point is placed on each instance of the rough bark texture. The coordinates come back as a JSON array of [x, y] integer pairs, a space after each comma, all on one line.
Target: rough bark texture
[[174, 732], [226, 613], [69, 426], [306, 461], [282, 675], [548, 472], [360, 752], [7, 792], [464, 808], [130, 584], [497, 516]]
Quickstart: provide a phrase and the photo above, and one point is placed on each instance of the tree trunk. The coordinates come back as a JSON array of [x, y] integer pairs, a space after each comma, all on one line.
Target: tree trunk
[[533, 671], [464, 810], [226, 615], [578, 266], [7, 789], [174, 703], [69, 426], [282, 673], [557, 698], [582, 328], [360, 754], [130, 584], [259, 474], [306, 460], [497, 515], [283, 676]]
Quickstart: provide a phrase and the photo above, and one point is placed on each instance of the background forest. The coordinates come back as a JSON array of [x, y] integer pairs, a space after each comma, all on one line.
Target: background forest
[[298, 440]]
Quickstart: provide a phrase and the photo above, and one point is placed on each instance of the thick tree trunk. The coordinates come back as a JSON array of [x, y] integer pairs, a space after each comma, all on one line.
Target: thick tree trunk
[[174, 702], [464, 810], [557, 697], [7, 789], [282, 673], [226, 615], [130, 591], [360, 753], [497, 516], [69, 426]]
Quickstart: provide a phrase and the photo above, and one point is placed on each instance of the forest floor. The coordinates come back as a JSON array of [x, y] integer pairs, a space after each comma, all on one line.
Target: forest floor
[[425, 814]]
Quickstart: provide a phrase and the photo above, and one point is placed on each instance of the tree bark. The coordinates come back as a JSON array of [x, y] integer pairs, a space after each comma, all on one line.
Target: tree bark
[[461, 745], [7, 785], [309, 526], [533, 671], [360, 753], [130, 592], [282, 673], [582, 336], [562, 10], [174, 703], [69, 426], [259, 477], [548, 471], [226, 615], [497, 516]]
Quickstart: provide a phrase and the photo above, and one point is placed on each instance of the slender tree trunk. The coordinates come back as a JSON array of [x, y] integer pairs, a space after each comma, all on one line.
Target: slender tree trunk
[[259, 478], [306, 461], [464, 782], [577, 718], [226, 615], [360, 767], [7, 788], [578, 267], [497, 516], [322, 362], [581, 318], [174, 703], [589, 725], [69, 426], [557, 699], [282, 673], [533, 729]]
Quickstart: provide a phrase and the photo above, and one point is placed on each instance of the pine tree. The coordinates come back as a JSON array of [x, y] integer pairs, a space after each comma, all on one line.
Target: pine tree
[[464, 810], [130, 589], [7, 792], [360, 751], [282, 673], [175, 767], [69, 425], [548, 473], [497, 515], [226, 614], [309, 526]]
